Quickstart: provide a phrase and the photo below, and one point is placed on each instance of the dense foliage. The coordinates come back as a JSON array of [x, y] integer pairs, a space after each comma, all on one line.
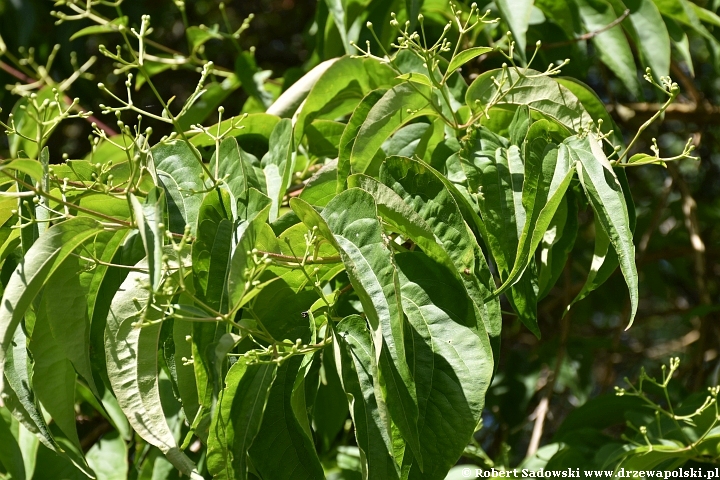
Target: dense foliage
[[317, 286]]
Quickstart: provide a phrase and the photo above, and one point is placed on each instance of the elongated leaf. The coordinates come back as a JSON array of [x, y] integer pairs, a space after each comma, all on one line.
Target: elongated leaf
[[43, 258], [538, 92], [236, 169], [149, 216], [281, 431], [594, 106], [612, 45], [548, 172], [111, 26], [605, 194], [423, 190], [385, 117], [358, 236], [349, 136], [557, 243], [652, 36], [26, 166], [517, 14], [279, 164], [358, 373], [242, 258], [238, 419], [465, 56], [322, 186], [108, 457], [212, 249], [132, 364], [179, 173], [186, 382], [291, 99], [11, 457], [452, 366], [53, 379], [337, 11], [340, 88]]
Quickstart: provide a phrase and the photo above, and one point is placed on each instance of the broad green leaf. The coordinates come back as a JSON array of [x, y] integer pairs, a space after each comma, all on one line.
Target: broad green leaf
[[330, 407], [212, 249], [26, 166], [452, 365], [43, 258], [281, 309], [605, 194], [242, 258], [290, 100], [281, 431], [109, 458], [612, 45], [53, 378], [465, 56], [682, 12], [408, 141], [323, 137], [517, 14], [520, 125], [423, 190], [179, 172], [110, 27], [337, 12], [539, 92], [356, 366], [556, 244], [149, 216], [416, 78], [238, 418], [132, 362], [187, 385], [386, 116], [594, 106], [653, 39], [347, 140], [18, 396], [358, 237], [564, 14], [322, 186], [11, 457], [548, 172], [340, 88], [198, 36], [278, 164], [236, 169]]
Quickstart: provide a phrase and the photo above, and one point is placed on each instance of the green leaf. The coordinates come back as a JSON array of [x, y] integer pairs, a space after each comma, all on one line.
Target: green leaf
[[321, 187], [131, 354], [291, 99], [653, 39], [236, 169], [356, 365], [556, 244], [53, 379], [548, 172], [413, 8], [520, 125], [453, 366], [538, 92], [108, 457], [349, 136], [323, 137], [605, 194], [25, 125], [612, 45], [281, 431], [337, 12], [415, 77], [386, 116], [465, 56], [594, 106], [212, 249], [278, 164], [252, 78], [186, 382], [517, 14], [26, 166], [149, 216], [358, 237], [11, 457], [43, 258], [423, 190], [198, 36], [241, 259], [238, 418], [340, 88], [110, 27], [179, 172]]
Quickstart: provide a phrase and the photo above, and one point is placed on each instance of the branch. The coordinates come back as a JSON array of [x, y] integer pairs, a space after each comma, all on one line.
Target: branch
[[589, 35], [628, 113]]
